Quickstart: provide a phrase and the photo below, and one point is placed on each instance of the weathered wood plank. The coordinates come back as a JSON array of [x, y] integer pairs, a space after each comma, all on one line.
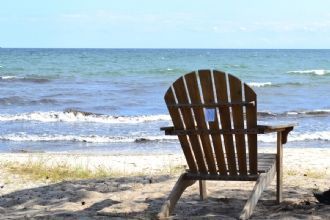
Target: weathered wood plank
[[263, 181], [209, 131], [208, 94], [196, 176], [251, 123], [195, 98], [222, 96], [279, 168], [236, 95], [211, 104], [285, 129], [189, 122], [178, 124]]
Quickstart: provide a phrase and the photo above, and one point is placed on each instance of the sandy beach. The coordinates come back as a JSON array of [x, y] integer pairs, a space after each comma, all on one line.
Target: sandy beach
[[138, 185]]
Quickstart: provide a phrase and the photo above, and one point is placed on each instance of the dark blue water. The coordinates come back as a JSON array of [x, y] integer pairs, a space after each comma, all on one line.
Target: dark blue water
[[44, 91]]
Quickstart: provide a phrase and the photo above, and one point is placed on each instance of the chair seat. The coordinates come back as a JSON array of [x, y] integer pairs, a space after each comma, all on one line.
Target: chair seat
[[265, 163]]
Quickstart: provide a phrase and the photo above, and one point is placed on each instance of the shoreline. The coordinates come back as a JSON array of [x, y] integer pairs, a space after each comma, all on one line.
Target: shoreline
[[140, 183]]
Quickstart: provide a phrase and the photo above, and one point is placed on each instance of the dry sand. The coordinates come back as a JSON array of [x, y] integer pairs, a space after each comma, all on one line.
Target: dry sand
[[142, 182]]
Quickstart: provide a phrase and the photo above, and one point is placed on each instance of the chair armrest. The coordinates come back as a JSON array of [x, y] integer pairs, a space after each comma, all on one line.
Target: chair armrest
[[264, 129], [168, 130], [284, 129]]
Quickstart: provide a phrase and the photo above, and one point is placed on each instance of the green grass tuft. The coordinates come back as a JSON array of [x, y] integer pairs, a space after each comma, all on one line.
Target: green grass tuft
[[37, 170], [315, 174]]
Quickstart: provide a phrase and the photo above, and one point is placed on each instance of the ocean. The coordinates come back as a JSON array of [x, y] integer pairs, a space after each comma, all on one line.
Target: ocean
[[111, 100]]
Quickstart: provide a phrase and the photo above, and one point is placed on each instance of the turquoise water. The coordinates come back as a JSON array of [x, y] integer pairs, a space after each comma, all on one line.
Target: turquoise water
[[45, 94]]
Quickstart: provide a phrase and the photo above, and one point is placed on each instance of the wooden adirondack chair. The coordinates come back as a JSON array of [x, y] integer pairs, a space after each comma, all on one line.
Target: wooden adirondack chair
[[215, 118]]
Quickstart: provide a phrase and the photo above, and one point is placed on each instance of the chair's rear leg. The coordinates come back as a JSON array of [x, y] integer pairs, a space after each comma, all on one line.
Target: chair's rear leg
[[202, 189], [279, 168], [263, 181], [174, 196]]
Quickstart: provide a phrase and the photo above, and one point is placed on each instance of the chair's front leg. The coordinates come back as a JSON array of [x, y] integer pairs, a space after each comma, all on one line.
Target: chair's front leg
[[279, 168], [174, 196]]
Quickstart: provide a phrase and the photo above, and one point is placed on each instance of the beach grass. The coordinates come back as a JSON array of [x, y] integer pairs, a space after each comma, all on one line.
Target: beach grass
[[292, 172], [314, 174], [37, 170], [44, 169]]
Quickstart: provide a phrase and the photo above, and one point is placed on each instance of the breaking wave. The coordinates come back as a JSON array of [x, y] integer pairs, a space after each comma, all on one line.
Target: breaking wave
[[80, 116], [259, 84], [307, 136], [32, 79], [21, 137], [316, 112], [268, 138], [311, 72], [266, 114], [270, 84], [71, 115]]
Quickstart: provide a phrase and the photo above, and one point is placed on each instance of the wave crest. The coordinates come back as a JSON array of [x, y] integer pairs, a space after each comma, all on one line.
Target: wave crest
[[80, 116], [312, 72], [259, 84], [316, 112], [299, 137], [76, 116], [21, 137], [270, 84], [32, 79]]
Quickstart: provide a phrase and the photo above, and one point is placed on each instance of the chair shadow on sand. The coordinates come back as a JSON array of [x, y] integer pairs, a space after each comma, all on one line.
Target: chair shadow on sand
[[138, 198]]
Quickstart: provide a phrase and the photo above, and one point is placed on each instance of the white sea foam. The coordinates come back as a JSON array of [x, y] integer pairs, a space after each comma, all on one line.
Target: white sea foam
[[309, 112], [292, 113], [259, 84], [31, 79], [307, 136], [314, 72], [21, 137], [8, 77], [269, 138], [316, 112], [81, 117], [319, 135]]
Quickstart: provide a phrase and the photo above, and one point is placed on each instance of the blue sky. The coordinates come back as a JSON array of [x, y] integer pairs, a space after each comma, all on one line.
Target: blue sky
[[165, 24]]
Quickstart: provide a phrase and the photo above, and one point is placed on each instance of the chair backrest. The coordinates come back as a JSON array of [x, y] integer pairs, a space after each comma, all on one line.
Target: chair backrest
[[215, 116]]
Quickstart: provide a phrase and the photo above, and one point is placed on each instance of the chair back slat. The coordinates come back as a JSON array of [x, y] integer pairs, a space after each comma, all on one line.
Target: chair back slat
[[251, 122], [208, 94], [189, 122], [195, 98], [214, 114], [220, 83], [178, 124], [235, 86]]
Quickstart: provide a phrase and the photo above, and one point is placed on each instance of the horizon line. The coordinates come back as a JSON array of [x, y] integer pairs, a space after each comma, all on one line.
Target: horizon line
[[164, 48]]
